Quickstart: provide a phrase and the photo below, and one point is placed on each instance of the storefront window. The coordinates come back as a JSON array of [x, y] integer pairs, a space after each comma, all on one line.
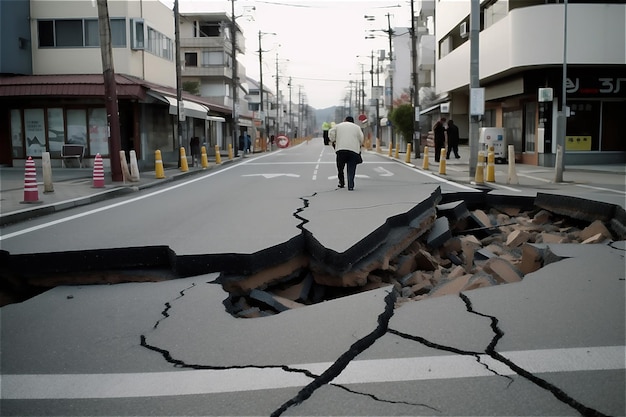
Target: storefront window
[[512, 122], [529, 127], [35, 132], [76, 127], [56, 132], [583, 133], [98, 132], [17, 134]]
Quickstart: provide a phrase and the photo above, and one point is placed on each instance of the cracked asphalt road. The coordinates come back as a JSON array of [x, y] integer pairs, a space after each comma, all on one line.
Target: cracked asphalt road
[[552, 344]]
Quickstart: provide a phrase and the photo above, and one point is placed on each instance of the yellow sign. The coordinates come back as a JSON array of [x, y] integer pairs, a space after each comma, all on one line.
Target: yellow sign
[[577, 143]]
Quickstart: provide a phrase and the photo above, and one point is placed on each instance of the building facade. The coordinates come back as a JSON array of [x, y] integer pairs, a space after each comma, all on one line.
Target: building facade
[[52, 87], [523, 48]]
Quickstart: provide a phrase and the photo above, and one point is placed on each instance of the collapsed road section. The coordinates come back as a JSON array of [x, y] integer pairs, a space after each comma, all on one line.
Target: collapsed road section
[[444, 244]]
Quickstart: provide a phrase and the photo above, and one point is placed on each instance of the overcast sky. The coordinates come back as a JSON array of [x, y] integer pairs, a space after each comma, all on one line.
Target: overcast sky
[[316, 41]]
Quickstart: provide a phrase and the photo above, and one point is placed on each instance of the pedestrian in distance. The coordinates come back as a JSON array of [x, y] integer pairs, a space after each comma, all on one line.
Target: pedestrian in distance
[[439, 130], [347, 139], [248, 142], [194, 144], [453, 139]]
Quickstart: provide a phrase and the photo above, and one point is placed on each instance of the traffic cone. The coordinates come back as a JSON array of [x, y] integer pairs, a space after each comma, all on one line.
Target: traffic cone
[[491, 166], [425, 162], [204, 158], [218, 156], [442, 161], [98, 172], [184, 167], [158, 165], [31, 192]]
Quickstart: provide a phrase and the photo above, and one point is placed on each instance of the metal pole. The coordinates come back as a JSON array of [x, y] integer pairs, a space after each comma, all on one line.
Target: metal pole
[[415, 79], [179, 84], [261, 82], [561, 121], [235, 80], [474, 83]]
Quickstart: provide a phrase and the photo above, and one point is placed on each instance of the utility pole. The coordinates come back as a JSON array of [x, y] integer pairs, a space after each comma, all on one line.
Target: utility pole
[[180, 111], [277, 99], [290, 114], [474, 83], [390, 33], [110, 90], [261, 84], [414, 89], [561, 120], [235, 80]]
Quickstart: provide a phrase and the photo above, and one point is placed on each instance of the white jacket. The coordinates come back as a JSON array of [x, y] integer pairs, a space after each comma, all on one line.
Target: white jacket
[[346, 136]]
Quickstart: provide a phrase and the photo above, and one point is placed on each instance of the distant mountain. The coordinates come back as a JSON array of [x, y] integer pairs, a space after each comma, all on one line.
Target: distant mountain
[[325, 115]]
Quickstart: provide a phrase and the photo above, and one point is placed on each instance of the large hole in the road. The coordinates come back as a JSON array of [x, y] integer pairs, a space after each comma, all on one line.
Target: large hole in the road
[[448, 246]]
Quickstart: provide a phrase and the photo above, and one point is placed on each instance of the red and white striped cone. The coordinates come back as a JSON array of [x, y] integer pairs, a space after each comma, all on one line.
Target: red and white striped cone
[[31, 193], [98, 172]]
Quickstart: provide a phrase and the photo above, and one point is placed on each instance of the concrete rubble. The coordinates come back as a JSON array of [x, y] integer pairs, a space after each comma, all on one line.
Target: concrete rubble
[[445, 244], [461, 250]]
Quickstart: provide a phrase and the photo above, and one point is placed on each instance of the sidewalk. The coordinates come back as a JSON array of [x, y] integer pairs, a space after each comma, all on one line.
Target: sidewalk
[[73, 187]]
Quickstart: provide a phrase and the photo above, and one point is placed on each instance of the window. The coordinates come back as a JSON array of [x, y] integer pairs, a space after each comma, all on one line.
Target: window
[[137, 33], [207, 29], [17, 134], [160, 45], [495, 11], [529, 127], [191, 59], [98, 132], [70, 33], [212, 58]]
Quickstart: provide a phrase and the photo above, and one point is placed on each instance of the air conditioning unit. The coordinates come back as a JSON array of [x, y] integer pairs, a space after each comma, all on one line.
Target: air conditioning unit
[[463, 30]]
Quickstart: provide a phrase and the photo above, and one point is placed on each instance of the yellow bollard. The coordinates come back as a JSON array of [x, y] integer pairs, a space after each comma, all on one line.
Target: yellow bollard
[[491, 166], [158, 165], [218, 156], [183, 160], [479, 178], [390, 148], [378, 146], [397, 149], [204, 159], [425, 163], [230, 151], [407, 159], [442, 161]]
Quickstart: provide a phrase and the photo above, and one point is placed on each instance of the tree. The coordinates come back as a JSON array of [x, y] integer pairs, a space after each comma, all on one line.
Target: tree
[[192, 87], [403, 118]]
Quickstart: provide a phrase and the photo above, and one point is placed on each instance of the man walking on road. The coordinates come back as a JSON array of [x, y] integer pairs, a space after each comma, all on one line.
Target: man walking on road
[[347, 139]]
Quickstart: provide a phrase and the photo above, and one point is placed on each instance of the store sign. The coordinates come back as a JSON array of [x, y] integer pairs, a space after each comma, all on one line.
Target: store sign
[[596, 86], [577, 143]]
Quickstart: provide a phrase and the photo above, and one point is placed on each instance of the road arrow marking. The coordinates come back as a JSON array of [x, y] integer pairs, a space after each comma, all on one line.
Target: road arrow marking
[[271, 175], [383, 172]]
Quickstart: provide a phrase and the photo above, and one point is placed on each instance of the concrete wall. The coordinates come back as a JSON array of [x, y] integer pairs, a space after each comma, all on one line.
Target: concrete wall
[[532, 36], [88, 60]]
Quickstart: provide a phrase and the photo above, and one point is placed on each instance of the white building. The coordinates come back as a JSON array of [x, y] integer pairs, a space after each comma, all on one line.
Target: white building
[[521, 50]]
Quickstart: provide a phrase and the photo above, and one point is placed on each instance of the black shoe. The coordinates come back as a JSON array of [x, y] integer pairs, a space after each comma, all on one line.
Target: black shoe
[[351, 189], [458, 157], [341, 185]]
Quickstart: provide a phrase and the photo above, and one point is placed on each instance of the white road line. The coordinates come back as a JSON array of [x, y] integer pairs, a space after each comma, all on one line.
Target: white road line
[[121, 203], [189, 382], [601, 189]]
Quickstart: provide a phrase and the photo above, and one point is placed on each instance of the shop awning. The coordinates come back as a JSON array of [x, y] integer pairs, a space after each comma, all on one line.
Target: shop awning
[[215, 118], [190, 108]]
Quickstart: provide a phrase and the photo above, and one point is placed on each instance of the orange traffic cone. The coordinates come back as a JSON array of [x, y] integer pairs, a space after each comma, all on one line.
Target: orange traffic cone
[[98, 172], [31, 193]]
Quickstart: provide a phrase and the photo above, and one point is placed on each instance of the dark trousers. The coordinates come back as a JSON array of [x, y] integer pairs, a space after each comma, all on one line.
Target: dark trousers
[[350, 159], [439, 145], [453, 148]]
